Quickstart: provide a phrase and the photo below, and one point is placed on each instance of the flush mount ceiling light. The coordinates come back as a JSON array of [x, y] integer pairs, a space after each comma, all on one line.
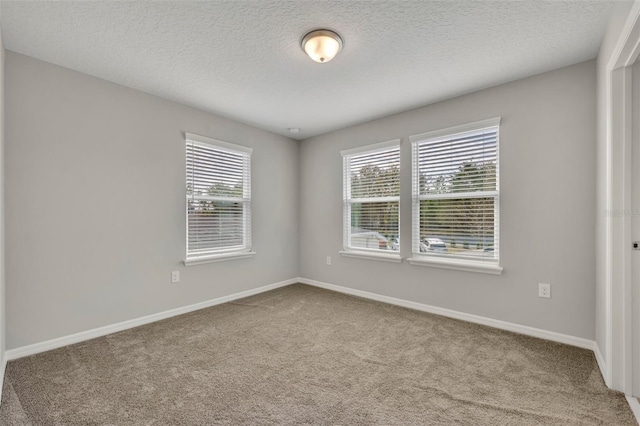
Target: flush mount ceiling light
[[321, 45]]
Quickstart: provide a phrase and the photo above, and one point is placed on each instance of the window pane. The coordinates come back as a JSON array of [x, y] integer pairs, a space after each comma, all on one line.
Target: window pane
[[214, 172], [468, 177], [375, 226], [376, 175], [214, 225], [462, 163], [459, 227]]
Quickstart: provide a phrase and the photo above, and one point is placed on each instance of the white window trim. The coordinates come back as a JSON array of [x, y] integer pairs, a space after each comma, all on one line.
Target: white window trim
[[393, 258], [372, 148], [218, 258], [228, 254], [363, 254], [451, 131], [424, 259], [223, 146], [457, 264]]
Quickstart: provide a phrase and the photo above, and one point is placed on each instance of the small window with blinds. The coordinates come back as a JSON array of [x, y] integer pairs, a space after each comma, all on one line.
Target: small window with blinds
[[456, 192], [372, 198], [218, 199]]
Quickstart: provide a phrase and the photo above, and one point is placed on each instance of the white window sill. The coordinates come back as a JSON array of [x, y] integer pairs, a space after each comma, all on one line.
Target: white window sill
[[394, 258], [457, 264], [218, 258]]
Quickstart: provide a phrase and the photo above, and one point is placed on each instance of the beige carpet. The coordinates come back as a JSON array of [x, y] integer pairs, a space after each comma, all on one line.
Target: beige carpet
[[302, 355]]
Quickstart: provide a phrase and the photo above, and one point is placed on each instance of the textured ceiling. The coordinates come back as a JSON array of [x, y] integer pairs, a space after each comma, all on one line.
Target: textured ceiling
[[242, 59]]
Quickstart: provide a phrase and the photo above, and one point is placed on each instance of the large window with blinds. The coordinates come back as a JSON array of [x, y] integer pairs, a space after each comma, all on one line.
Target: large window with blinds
[[456, 192], [371, 196], [218, 199]]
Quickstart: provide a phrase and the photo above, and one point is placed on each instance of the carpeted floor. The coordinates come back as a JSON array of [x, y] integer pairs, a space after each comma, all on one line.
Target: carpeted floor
[[302, 355]]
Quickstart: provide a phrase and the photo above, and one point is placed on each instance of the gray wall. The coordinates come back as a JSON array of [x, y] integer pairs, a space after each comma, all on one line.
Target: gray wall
[[547, 166], [635, 223], [95, 204], [616, 21], [2, 215], [95, 198]]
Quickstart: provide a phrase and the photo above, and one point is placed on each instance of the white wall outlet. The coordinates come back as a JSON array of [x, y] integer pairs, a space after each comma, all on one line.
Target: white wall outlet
[[328, 260], [544, 290], [175, 277]]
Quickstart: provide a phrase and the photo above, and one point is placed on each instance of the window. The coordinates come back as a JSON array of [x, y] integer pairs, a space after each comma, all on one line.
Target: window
[[218, 200], [456, 193], [372, 199]]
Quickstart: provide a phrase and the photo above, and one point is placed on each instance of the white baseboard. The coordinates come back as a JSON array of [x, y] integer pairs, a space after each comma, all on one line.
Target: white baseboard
[[601, 364], [103, 331], [113, 328], [503, 325], [3, 368], [635, 406]]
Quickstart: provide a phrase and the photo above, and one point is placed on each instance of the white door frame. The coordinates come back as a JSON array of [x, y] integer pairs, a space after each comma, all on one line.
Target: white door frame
[[619, 285]]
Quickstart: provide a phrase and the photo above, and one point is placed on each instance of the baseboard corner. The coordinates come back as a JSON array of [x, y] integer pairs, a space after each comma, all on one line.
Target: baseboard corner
[[602, 364]]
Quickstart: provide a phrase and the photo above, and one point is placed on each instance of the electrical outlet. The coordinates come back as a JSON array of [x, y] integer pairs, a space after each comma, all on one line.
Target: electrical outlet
[[175, 277], [328, 260], [544, 290]]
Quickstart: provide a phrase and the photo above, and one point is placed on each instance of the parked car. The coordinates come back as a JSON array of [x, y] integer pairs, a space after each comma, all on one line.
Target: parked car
[[485, 252], [395, 244], [433, 245]]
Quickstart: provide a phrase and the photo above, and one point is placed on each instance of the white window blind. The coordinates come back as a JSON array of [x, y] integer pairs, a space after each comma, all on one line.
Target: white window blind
[[218, 197], [371, 196], [456, 192]]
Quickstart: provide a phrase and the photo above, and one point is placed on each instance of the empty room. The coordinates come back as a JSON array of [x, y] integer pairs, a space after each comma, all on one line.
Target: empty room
[[273, 212]]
